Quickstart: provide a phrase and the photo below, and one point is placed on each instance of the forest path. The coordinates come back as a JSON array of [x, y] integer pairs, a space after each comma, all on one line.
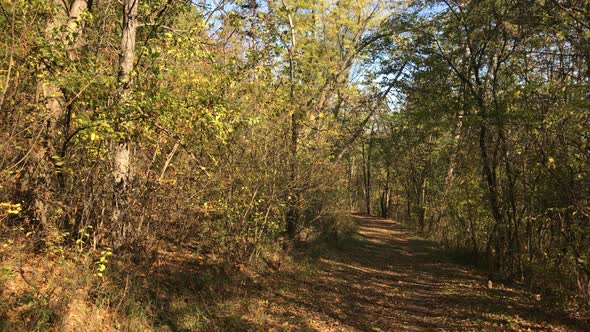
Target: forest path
[[388, 279]]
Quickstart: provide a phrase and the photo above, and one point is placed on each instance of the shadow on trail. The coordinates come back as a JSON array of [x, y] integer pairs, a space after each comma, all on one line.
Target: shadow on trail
[[390, 280]]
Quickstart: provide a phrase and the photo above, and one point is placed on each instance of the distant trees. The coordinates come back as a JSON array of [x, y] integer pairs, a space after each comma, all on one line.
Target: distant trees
[[490, 150]]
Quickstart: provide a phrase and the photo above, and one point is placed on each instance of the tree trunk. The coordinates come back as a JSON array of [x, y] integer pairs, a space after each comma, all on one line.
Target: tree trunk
[[454, 154], [489, 174], [386, 194], [54, 101], [121, 153], [351, 184], [292, 215], [367, 173]]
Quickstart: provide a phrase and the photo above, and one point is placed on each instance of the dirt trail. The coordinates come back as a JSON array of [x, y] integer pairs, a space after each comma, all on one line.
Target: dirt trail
[[390, 280]]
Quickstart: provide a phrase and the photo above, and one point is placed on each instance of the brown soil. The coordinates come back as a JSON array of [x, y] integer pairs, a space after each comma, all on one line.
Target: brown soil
[[390, 280]]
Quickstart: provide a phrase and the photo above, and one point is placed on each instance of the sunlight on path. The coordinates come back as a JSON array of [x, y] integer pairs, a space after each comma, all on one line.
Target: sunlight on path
[[390, 280]]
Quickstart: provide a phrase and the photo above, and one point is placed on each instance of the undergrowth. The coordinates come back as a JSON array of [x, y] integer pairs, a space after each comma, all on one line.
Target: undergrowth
[[64, 287]]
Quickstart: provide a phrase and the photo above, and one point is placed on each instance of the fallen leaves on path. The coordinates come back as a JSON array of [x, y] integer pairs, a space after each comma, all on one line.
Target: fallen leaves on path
[[390, 280]]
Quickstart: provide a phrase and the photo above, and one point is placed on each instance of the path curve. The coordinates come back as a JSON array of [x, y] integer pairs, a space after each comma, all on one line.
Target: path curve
[[390, 280]]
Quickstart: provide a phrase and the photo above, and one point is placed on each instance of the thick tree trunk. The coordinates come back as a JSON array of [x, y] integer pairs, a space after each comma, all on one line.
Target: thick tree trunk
[[75, 24], [121, 153], [54, 100], [71, 19]]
